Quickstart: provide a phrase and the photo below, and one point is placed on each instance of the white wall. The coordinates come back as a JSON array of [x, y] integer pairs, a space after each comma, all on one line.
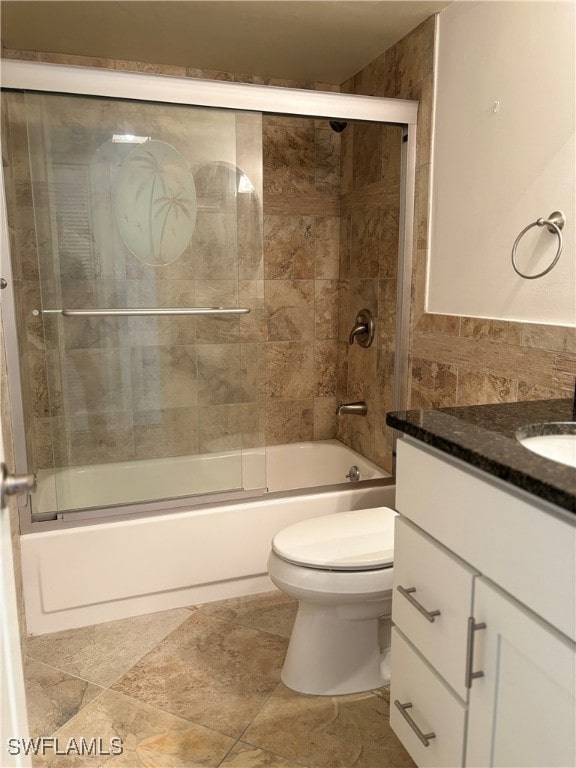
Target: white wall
[[504, 140]]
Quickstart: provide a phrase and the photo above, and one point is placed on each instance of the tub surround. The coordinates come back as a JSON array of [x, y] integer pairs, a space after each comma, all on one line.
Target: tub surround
[[484, 437]]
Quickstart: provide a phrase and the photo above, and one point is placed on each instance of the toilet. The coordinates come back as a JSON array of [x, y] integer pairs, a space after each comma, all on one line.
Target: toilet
[[339, 567]]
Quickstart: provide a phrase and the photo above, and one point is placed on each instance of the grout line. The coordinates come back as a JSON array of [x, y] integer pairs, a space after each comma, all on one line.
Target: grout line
[[64, 672]]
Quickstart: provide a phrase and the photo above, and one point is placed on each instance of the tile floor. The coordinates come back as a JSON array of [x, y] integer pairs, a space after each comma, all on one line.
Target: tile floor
[[198, 686]]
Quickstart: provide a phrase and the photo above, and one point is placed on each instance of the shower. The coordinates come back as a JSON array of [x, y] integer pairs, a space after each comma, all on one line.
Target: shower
[[161, 336]]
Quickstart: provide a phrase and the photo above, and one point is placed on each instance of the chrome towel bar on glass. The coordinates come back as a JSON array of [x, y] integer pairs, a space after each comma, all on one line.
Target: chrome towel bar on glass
[[555, 223], [149, 312]]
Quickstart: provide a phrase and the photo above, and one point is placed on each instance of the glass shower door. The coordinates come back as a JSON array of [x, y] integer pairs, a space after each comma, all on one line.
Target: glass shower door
[[140, 360]]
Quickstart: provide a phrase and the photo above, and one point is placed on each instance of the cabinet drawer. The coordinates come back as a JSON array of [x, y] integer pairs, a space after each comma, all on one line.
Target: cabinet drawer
[[435, 709], [517, 544], [441, 583]]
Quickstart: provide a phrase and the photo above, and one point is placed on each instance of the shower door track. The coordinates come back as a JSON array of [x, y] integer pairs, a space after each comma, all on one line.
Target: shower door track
[[140, 86]]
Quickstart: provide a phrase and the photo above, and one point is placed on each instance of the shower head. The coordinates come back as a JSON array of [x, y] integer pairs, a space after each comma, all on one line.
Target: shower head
[[338, 125]]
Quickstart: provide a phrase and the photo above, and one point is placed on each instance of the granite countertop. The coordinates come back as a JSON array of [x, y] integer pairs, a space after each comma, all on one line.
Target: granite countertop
[[484, 437]]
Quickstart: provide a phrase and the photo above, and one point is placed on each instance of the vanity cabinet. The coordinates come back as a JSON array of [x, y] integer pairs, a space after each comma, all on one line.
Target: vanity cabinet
[[521, 711], [483, 653]]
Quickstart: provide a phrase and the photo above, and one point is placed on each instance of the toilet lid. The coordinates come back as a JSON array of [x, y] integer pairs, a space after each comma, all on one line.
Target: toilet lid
[[346, 541]]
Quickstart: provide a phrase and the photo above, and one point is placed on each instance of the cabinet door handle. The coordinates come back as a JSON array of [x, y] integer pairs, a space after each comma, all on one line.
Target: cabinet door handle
[[424, 737], [407, 592], [472, 627]]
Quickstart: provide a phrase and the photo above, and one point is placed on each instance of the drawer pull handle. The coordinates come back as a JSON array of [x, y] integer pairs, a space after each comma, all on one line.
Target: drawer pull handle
[[407, 592], [472, 627], [424, 737]]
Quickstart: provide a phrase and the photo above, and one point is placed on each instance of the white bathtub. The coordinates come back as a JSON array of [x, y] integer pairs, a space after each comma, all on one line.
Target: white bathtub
[[108, 570], [277, 468]]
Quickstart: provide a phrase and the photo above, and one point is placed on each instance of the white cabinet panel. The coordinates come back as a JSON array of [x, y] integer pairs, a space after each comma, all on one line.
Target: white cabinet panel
[[434, 709], [522, 711], [525, 550], [442, 582]]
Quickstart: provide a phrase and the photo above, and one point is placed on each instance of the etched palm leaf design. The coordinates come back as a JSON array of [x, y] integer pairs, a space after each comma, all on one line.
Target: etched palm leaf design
[[173, 205], [156, 212]]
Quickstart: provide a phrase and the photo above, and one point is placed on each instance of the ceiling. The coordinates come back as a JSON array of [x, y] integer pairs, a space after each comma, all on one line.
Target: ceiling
[[319, 40]]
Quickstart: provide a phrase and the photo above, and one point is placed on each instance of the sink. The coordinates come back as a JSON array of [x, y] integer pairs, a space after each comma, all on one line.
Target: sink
[[553, 440]]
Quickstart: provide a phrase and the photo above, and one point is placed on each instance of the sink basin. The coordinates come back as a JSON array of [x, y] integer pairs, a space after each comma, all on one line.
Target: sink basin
[[554, 440]]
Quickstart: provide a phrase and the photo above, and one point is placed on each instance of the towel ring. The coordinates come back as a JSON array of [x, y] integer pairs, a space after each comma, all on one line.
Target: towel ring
[[554, 222]]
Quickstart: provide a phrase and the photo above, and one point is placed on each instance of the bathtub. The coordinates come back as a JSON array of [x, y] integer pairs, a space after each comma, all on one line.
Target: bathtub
[[106, 570], [276, 468]]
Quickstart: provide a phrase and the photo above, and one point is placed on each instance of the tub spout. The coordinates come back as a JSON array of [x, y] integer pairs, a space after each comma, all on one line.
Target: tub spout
[[354, 409]]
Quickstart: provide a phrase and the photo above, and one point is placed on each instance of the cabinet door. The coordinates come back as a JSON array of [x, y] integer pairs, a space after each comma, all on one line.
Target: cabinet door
[[522, 711]]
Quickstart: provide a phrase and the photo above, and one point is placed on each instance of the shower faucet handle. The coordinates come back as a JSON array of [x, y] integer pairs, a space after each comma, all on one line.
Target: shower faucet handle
[[363, 330]]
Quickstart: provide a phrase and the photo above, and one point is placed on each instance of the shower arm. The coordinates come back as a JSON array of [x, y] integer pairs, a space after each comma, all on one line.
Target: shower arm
[[146, 312]]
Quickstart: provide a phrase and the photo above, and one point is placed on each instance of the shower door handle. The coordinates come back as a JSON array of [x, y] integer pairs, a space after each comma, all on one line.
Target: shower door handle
[[150, 311], [12, 485]]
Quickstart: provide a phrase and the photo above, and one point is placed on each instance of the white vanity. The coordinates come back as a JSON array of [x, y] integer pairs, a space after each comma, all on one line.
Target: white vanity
[[484, 608]]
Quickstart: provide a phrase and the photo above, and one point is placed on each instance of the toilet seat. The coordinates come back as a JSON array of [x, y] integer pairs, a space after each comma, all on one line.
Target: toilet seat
[[362, 540]]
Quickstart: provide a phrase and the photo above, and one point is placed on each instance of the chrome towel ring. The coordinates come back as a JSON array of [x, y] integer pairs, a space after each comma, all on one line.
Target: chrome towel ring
[[555, 223]]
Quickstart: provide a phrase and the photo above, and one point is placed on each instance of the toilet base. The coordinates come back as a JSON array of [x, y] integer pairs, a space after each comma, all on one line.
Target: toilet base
[[331, 655]]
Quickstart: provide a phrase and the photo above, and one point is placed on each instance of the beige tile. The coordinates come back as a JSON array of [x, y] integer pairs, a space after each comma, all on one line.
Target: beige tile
[[164, 377], [387, 295], [246, 756], [365, 242], [496, 330], [166, 432], [272, 612], [215, 244], [290, 309], [324, 418], [325, 361], [301, 204], [345, 246], [288, 247], [102, 652], [433, 385], [148, 737], [209, 671], [329, 732], [288, 158], [289, 421], [389, 233], [220, 429], [362, 366], [445, 325], [93, 438], [53, 697], [528, 391], [552, 337], [367, 153], [98, 381], [422, 206], [327, 156], [391, 156], [219, 375], [290, 370], [478, 387], [327, 246], [326, 309]]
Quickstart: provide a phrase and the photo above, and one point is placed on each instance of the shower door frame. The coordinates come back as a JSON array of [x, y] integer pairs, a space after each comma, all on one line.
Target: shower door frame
[[140, 86]]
